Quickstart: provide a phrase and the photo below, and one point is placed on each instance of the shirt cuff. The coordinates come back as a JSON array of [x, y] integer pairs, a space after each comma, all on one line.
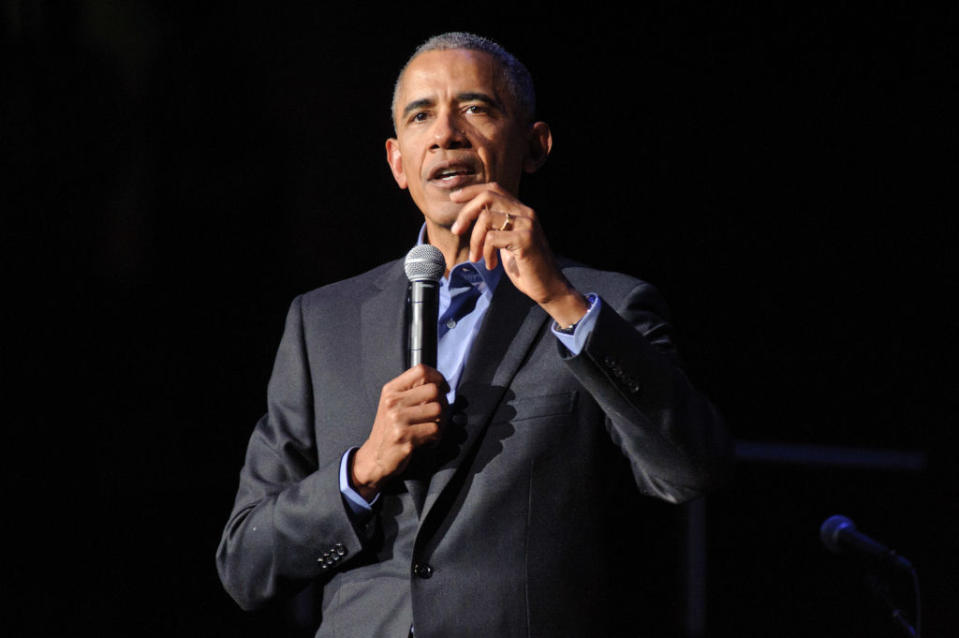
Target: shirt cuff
[[584, 327], [357, 504]]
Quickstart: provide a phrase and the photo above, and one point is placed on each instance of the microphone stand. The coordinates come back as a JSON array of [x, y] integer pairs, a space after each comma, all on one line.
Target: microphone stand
[[838, 531], [898, 616]]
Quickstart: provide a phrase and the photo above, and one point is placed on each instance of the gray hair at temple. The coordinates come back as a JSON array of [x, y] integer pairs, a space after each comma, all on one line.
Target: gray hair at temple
[[513, 74]]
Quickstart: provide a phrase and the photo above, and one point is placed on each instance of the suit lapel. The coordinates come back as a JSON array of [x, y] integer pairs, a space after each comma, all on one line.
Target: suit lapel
[[382, 332], [508, 331]]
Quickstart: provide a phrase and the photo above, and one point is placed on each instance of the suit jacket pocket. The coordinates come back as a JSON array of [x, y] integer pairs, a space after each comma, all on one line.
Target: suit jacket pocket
[[535, 407]]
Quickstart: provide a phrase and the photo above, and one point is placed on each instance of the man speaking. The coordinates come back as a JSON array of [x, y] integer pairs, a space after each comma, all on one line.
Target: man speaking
[[465, 499]]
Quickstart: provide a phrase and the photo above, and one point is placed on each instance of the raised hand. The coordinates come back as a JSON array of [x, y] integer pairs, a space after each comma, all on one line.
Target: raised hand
[[505, 228]]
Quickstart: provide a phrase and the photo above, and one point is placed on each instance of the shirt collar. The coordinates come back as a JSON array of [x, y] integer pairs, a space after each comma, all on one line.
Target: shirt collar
[[490, 278]]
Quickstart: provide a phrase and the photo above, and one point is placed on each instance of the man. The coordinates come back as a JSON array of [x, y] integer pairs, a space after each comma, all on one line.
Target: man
[[466, 500]]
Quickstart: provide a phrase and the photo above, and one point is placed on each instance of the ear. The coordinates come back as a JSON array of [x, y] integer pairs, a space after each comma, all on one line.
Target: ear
[[540, 144], [395, 160]]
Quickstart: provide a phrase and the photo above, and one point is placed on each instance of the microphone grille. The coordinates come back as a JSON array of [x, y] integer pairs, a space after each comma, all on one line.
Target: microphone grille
[[424, 262], [830, 529]]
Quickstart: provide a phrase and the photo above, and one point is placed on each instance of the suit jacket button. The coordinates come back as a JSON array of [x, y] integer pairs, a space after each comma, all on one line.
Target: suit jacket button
[[458, 418], [422, 570]]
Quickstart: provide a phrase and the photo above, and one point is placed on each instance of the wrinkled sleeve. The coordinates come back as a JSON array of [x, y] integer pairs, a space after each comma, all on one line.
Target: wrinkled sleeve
[[673, 437], [289, 523]]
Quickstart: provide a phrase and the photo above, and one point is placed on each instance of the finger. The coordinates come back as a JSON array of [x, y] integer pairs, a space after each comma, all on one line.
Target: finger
[[435, 377], [417, 375], [407, 379], [473, 206], [490, 250], [495, 196], [423, 433], [507, 230], [496, 212], [480, 228], [429, 412], [496, 241], [407, 406], [467, 193], [475, 198]]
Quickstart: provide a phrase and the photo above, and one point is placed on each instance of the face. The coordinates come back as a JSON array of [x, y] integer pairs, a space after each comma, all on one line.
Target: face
[[456, 126]]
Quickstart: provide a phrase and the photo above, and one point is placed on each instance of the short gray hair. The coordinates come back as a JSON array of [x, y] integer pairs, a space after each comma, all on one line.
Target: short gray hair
[[512, 73]]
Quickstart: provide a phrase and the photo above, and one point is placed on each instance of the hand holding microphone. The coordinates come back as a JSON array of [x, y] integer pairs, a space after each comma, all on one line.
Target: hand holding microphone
[[411, 407]]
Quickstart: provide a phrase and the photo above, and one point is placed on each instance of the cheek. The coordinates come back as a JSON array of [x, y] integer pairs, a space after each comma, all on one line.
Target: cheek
[[510, 151], [506, 167]]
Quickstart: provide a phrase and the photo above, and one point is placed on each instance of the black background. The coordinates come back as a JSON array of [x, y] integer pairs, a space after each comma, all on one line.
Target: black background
[[174, 173]]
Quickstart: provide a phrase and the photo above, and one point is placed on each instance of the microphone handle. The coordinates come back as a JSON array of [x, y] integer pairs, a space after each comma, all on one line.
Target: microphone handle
[[863, 543], [424, 309], [872, 547]]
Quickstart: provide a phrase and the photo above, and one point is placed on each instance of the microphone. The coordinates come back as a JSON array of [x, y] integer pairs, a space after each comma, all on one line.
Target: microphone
[[839, 534], [424, 268]]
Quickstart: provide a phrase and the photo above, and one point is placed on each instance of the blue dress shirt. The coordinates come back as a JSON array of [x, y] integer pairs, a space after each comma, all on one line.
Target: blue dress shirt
[[465, 296]]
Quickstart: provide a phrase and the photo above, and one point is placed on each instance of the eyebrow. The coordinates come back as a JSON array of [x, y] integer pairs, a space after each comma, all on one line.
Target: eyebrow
[[460, 97], [416, 104], [479, 97]]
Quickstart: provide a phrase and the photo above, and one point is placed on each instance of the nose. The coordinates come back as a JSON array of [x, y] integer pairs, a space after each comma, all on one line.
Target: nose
[[448, 133]]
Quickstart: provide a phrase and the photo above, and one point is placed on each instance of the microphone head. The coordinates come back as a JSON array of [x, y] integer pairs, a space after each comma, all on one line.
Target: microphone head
[[424, 263], [830, 530]]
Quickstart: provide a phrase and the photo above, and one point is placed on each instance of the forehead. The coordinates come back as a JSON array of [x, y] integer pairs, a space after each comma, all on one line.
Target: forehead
[[435, 73]]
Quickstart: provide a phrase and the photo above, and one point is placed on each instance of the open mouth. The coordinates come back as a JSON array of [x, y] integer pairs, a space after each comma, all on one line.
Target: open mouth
[[452, 173]]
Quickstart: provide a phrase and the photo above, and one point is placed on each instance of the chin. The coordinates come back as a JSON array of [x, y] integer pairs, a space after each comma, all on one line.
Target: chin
[[444, 215]]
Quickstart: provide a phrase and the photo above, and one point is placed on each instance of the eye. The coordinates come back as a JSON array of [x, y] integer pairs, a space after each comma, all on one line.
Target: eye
[[419, 116], [476, 109]]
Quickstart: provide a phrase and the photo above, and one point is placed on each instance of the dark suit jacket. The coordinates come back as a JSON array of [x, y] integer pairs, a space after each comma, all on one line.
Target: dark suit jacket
[[498, 531]]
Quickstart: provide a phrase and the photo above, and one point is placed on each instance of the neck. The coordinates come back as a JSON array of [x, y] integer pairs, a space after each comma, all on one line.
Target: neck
[[455, 248]]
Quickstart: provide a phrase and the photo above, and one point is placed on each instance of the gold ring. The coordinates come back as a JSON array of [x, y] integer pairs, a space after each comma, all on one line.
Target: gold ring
[[506, 224]]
